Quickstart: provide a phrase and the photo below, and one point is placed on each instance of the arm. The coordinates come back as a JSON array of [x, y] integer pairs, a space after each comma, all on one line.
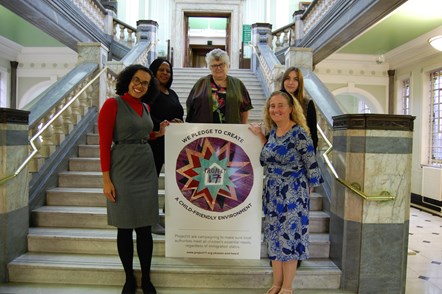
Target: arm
[[246, 105], [108, 187], [244, 117], [161, 126], [199, 102], [312, 123], [106, 123], [304, 145], [178, 110], [161, 132]]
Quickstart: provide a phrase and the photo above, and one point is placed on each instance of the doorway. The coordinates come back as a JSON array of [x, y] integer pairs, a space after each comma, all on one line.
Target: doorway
[[204, 32]]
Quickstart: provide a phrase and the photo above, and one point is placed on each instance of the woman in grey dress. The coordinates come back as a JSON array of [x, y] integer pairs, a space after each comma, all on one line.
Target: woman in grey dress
[[130, 181]]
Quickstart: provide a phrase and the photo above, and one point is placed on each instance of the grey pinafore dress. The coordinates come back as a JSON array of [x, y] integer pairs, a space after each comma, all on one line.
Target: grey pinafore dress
[[133, 171]]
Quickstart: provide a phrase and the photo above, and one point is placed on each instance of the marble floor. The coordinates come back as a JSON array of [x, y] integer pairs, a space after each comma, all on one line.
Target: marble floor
[[424, 270], [424, 267]]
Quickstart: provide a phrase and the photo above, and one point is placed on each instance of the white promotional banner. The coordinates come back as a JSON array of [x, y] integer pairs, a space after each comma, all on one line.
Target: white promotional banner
[[213, 191]]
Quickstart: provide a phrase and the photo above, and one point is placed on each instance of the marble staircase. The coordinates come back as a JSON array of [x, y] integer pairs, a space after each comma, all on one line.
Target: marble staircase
[[71, 245]]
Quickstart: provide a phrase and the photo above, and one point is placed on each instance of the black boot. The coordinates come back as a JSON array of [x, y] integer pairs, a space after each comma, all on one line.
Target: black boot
[[130, 287], [148, 287]]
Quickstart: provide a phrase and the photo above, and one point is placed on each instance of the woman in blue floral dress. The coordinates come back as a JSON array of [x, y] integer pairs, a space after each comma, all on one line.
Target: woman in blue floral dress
[[291, 172]]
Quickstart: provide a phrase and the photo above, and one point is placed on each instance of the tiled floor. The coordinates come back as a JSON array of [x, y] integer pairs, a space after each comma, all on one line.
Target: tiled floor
[[424, 269]]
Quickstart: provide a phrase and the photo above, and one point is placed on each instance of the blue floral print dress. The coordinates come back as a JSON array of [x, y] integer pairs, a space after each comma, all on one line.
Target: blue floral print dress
[[290, 169]]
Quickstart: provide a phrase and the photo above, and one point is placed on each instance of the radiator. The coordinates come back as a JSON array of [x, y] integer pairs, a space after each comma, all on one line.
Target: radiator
[[432, 183]]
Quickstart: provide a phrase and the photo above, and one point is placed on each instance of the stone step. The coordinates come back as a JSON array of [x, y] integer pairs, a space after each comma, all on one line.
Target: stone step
[[182, 78], [31, 288], [258, 99], [85, 163], [65, 196], [79, 269], [201, 71], [254, 89], [256, 94], [103, 241], [196, 73], [81, 241], [88, 179], [70, 217], [96, 218], [253, 86], [85, 150], [93, 139], [93, 179], [80, 179]]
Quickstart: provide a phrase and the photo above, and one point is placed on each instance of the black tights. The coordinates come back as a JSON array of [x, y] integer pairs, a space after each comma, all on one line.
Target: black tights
[[125, 246]]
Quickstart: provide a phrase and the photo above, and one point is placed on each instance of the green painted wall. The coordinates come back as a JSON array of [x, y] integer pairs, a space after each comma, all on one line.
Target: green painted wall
[[408, 22], [200, 23], [21, 32]]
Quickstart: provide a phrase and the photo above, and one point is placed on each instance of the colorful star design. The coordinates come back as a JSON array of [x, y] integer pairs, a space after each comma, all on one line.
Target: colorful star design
[[210, 174]]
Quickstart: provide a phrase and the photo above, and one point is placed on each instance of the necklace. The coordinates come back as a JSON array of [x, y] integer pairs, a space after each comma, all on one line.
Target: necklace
[[282, 131], [221, 83]]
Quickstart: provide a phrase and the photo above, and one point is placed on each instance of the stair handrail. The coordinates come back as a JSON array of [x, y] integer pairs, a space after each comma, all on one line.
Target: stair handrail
[[267, 62], [354, 187], [269, 70], [288, 37], [137, 55], [328, 107], [47, 125], [126, 34]]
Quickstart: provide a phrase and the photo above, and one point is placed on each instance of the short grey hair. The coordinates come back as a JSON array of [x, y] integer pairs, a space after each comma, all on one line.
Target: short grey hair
[[218, 55]]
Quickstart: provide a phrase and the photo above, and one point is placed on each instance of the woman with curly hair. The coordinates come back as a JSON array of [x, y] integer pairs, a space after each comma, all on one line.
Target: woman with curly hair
[[130, 181]]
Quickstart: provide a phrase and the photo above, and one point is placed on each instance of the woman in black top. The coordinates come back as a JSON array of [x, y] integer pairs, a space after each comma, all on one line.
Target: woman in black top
[[166, 106], [293, 83]]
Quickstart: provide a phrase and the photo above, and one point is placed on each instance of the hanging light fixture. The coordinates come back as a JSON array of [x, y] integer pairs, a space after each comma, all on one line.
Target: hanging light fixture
[[436, 42]]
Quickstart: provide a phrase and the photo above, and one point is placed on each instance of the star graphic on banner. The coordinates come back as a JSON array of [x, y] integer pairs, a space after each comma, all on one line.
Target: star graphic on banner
[[211, 175]]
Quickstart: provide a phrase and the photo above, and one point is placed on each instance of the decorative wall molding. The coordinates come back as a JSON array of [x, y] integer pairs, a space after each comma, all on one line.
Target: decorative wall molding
[[15, 116], [344, 66], [232, 7], [414, 51], [374, 122], [48, 55], [9, 50]]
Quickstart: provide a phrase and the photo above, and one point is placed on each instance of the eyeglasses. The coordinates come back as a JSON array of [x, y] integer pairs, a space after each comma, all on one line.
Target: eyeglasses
[[138, 82], [217, 66]]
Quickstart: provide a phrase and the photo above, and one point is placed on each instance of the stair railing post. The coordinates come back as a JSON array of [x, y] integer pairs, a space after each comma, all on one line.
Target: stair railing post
[[299, 57], [148, 33], [369, 239], [261, 34], [95, 53], [14, 194]]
